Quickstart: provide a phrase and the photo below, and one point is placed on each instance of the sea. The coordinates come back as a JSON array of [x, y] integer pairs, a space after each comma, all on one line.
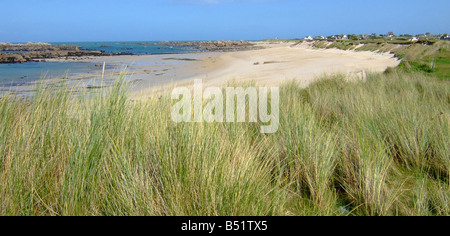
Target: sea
[[21, 73]]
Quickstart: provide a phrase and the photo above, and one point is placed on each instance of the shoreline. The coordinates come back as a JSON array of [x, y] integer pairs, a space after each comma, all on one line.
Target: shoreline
[[280, 62], [41, 52], [270, 64]]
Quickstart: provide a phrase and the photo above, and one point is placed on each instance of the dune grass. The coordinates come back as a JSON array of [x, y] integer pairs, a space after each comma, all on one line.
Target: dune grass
[[431, 59], [344, 45], [373, 147]]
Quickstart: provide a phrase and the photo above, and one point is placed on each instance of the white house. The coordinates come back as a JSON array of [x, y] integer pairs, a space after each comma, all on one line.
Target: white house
[[363, 36], [309, 38], [333, 37]]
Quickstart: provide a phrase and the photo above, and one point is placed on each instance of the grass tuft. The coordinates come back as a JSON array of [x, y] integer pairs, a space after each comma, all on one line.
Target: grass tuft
[[373, 147]]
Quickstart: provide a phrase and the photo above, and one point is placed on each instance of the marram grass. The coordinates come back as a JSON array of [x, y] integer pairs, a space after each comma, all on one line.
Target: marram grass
[[373, 147]]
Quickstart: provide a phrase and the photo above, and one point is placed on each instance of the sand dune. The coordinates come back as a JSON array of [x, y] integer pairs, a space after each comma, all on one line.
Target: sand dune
[[280, 62]]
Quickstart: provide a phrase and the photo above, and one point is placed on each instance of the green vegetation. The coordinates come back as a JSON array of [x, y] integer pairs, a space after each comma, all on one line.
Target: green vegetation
[[320, 44], [344, 45], [434, 59], [373, 147], [429, 57], [339, 44]]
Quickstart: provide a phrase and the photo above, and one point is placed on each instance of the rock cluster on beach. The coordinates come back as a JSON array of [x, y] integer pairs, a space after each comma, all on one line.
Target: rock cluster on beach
[[221, 46], [36, 47], [34, 52]]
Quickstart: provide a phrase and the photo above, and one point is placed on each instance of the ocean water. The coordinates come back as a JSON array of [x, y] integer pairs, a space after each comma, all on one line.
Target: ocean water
[[14, 52], [136, 48], [20, 74]]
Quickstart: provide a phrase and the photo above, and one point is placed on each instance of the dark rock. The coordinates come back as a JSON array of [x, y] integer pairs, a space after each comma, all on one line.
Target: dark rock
[[32, 52], [214, 46], [12, 58]]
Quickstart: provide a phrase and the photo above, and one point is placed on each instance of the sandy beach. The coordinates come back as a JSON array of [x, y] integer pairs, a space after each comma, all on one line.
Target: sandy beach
[[273, 65], [280, 62]]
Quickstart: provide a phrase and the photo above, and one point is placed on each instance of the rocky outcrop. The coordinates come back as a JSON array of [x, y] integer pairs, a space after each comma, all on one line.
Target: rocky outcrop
[[33, 52], [36, 47], [222, 46], [12, 58]]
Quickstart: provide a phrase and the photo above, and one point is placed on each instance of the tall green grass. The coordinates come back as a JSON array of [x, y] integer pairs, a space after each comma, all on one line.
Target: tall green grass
[[432, 59], [373, 147]]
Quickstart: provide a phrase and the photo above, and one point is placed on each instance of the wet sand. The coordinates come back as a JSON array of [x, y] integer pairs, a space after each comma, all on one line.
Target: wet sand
[[273, 65]]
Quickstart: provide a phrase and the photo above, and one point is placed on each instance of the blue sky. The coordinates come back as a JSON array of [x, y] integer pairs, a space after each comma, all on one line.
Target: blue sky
[[145, 20]]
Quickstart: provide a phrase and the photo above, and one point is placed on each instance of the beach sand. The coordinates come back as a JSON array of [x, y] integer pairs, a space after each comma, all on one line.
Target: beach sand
[[275, 64], [278, 62]]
